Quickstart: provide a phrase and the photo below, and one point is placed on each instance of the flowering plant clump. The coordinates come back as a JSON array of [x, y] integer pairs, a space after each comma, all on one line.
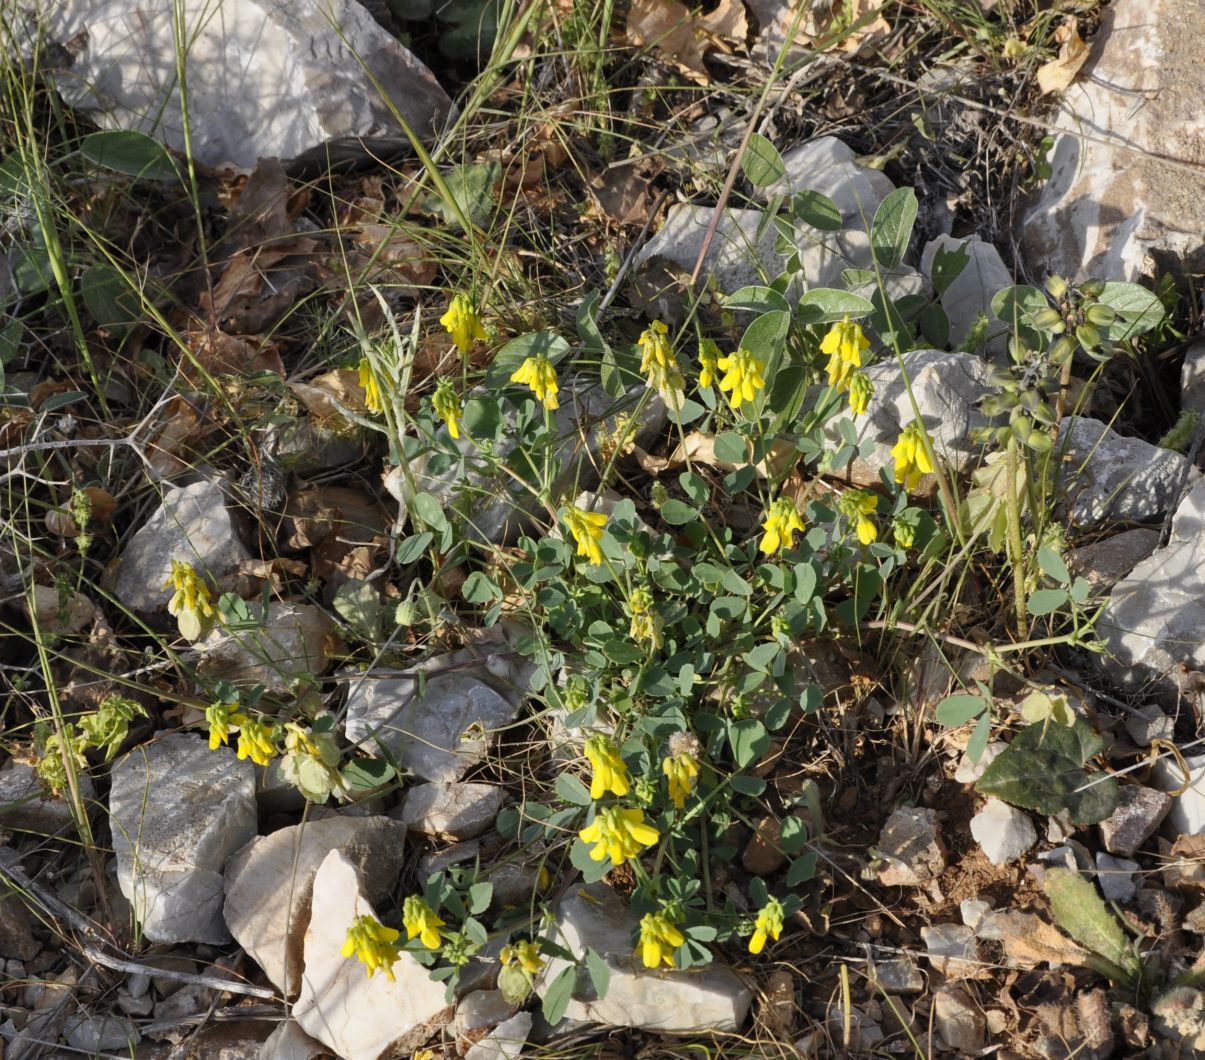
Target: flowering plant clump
[[659, 365], [191, 604], [446, 403], [463, 323], [587, 530]]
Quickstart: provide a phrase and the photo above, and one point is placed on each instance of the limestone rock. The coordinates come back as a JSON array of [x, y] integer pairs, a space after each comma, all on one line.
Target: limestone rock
[[26, 805], [953, 949], [357, 1017], [1192, 377], [826, 165], [947, 387], [1126, 196], [691, 1002], [1003, 832], [1154, 622], [284, 864], [192, 525], [504, 1042], [290, 1042], [450, 811], [1138, 813], [958, 1020], [971, 292], [294, 641], [912, 847], [266, 78], [1112, 478], [100, 1034], [1186, 815], [178, 811], [1116, 877], [1104, 563], [481, 1008]]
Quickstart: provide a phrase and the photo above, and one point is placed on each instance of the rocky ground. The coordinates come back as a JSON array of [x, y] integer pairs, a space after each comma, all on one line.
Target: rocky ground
[[175, 898]]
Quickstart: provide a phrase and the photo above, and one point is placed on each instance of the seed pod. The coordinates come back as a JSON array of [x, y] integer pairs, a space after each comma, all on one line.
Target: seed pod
[[1046, 319], [1100, 314], [1092, 288], [1056, 286], [1088, 336], [1061, 351]]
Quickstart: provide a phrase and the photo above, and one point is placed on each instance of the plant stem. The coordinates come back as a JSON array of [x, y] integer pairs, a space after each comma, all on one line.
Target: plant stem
[[1016, 555]]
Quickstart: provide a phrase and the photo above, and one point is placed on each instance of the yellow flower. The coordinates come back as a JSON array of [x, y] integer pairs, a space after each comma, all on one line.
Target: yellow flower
[[657, 362], [659, 937], [374, 945], [856, 506], [768, 925], [619, 833], [421, 920], [844, 344], [446, 403], [781, 523], [646, 623], [742, 375], [372, 389], [911, 456], [587, 530], [191, 592], [527, 953], [220, 716], [681, 770], [861, 390], [610, 771], [257, 741], [709, 356], [462, 323], [538, 373]]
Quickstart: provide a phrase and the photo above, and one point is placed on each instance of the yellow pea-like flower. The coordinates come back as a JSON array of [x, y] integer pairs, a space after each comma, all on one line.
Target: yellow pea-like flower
[[768, 925], [538, 373], [373, 401], [587, 530], [743, 377], [421, 921], [781, 524], [682, 771], [861, 390], [844, 345], [463, 323], [256, 740], [857, 506], [709, 362], [618, 833], [659, 938], [911, 456], [610, 770], [446, 403], [373, 944]]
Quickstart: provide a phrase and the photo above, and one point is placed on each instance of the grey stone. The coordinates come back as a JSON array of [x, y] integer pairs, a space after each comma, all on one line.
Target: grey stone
[[1072, 856], [488, 505], [178, 811], [358, 1017], [1003, 832], [26, 805], [305, 446], [674, 1002], [899, 976], [135, 1006], [290, 1042], [1192, 377], [1111, 478], [1126, 194], [953, 949], [439, 725], [969, 772], [16, 928], [100, 1034], [266, 78], [947, 388], [1186, 814], [1138, 813], [191, 999], [960, 1022], [1154, 621], [973, 910], [284, 864], [911, 845], [192, 525], [969, 295], [1104, 563], [1116, 877], [55, 615], [292, 643], [827, 166], [481, 1008], [450, 811], [504, 1042], [1148, 724]]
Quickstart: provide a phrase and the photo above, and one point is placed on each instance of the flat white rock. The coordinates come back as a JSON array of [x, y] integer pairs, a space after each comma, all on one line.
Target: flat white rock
[[1003, 832]]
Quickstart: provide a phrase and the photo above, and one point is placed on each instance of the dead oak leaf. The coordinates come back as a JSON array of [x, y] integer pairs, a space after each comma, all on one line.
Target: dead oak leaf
[[1057, 75], [682, 37]]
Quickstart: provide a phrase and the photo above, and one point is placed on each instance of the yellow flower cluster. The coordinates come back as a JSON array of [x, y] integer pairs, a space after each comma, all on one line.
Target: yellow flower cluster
[[857, 506], [191, 593], [743, 377], [610, 770], [421, 921], [911, 454], [256, 740], [659, 938], [446, 403], [767, 926], [373, 401], [659, 365], [373, 944], [861, 390], [709, 362], [587, 530], [221, 717], [845, 343], [781, 524], [463, 323], [646, 623], [538, 373], [619, 833], [526, 953], [681, 770]]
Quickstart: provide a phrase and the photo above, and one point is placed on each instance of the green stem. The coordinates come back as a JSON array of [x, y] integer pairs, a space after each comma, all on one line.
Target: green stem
[[1016, 553]]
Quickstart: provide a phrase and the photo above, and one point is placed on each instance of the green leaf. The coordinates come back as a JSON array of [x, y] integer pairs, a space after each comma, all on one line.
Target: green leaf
[[480, 896], [592, 871], [471, 188], [762, 164], [678, 513], [1052, 564], [623, 652], [1044, 769], [731, 448], [1080, 911], [358, 603], [1139, 309], [935, 326], [1046, 601], [133, 153], [558, 994], [695, 487], [802, 869], [107, 294], [978, 741], [428, 510], [600, 973], [766, 336], [479, 588], [749, 741], [410, 549], [367, 774], [947, 267], [817, 210], [1017, 305], [892, 227], [514, 353], [744, 785], [572, 790], [824, 304], [958, 710], [757, 299]]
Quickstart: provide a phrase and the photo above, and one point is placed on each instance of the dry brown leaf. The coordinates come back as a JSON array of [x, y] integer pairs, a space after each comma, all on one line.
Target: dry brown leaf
[[820, 25], [700, 447], [683, 38], [1029, 940], [221, 354], [1057, 75], [323, 394]]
